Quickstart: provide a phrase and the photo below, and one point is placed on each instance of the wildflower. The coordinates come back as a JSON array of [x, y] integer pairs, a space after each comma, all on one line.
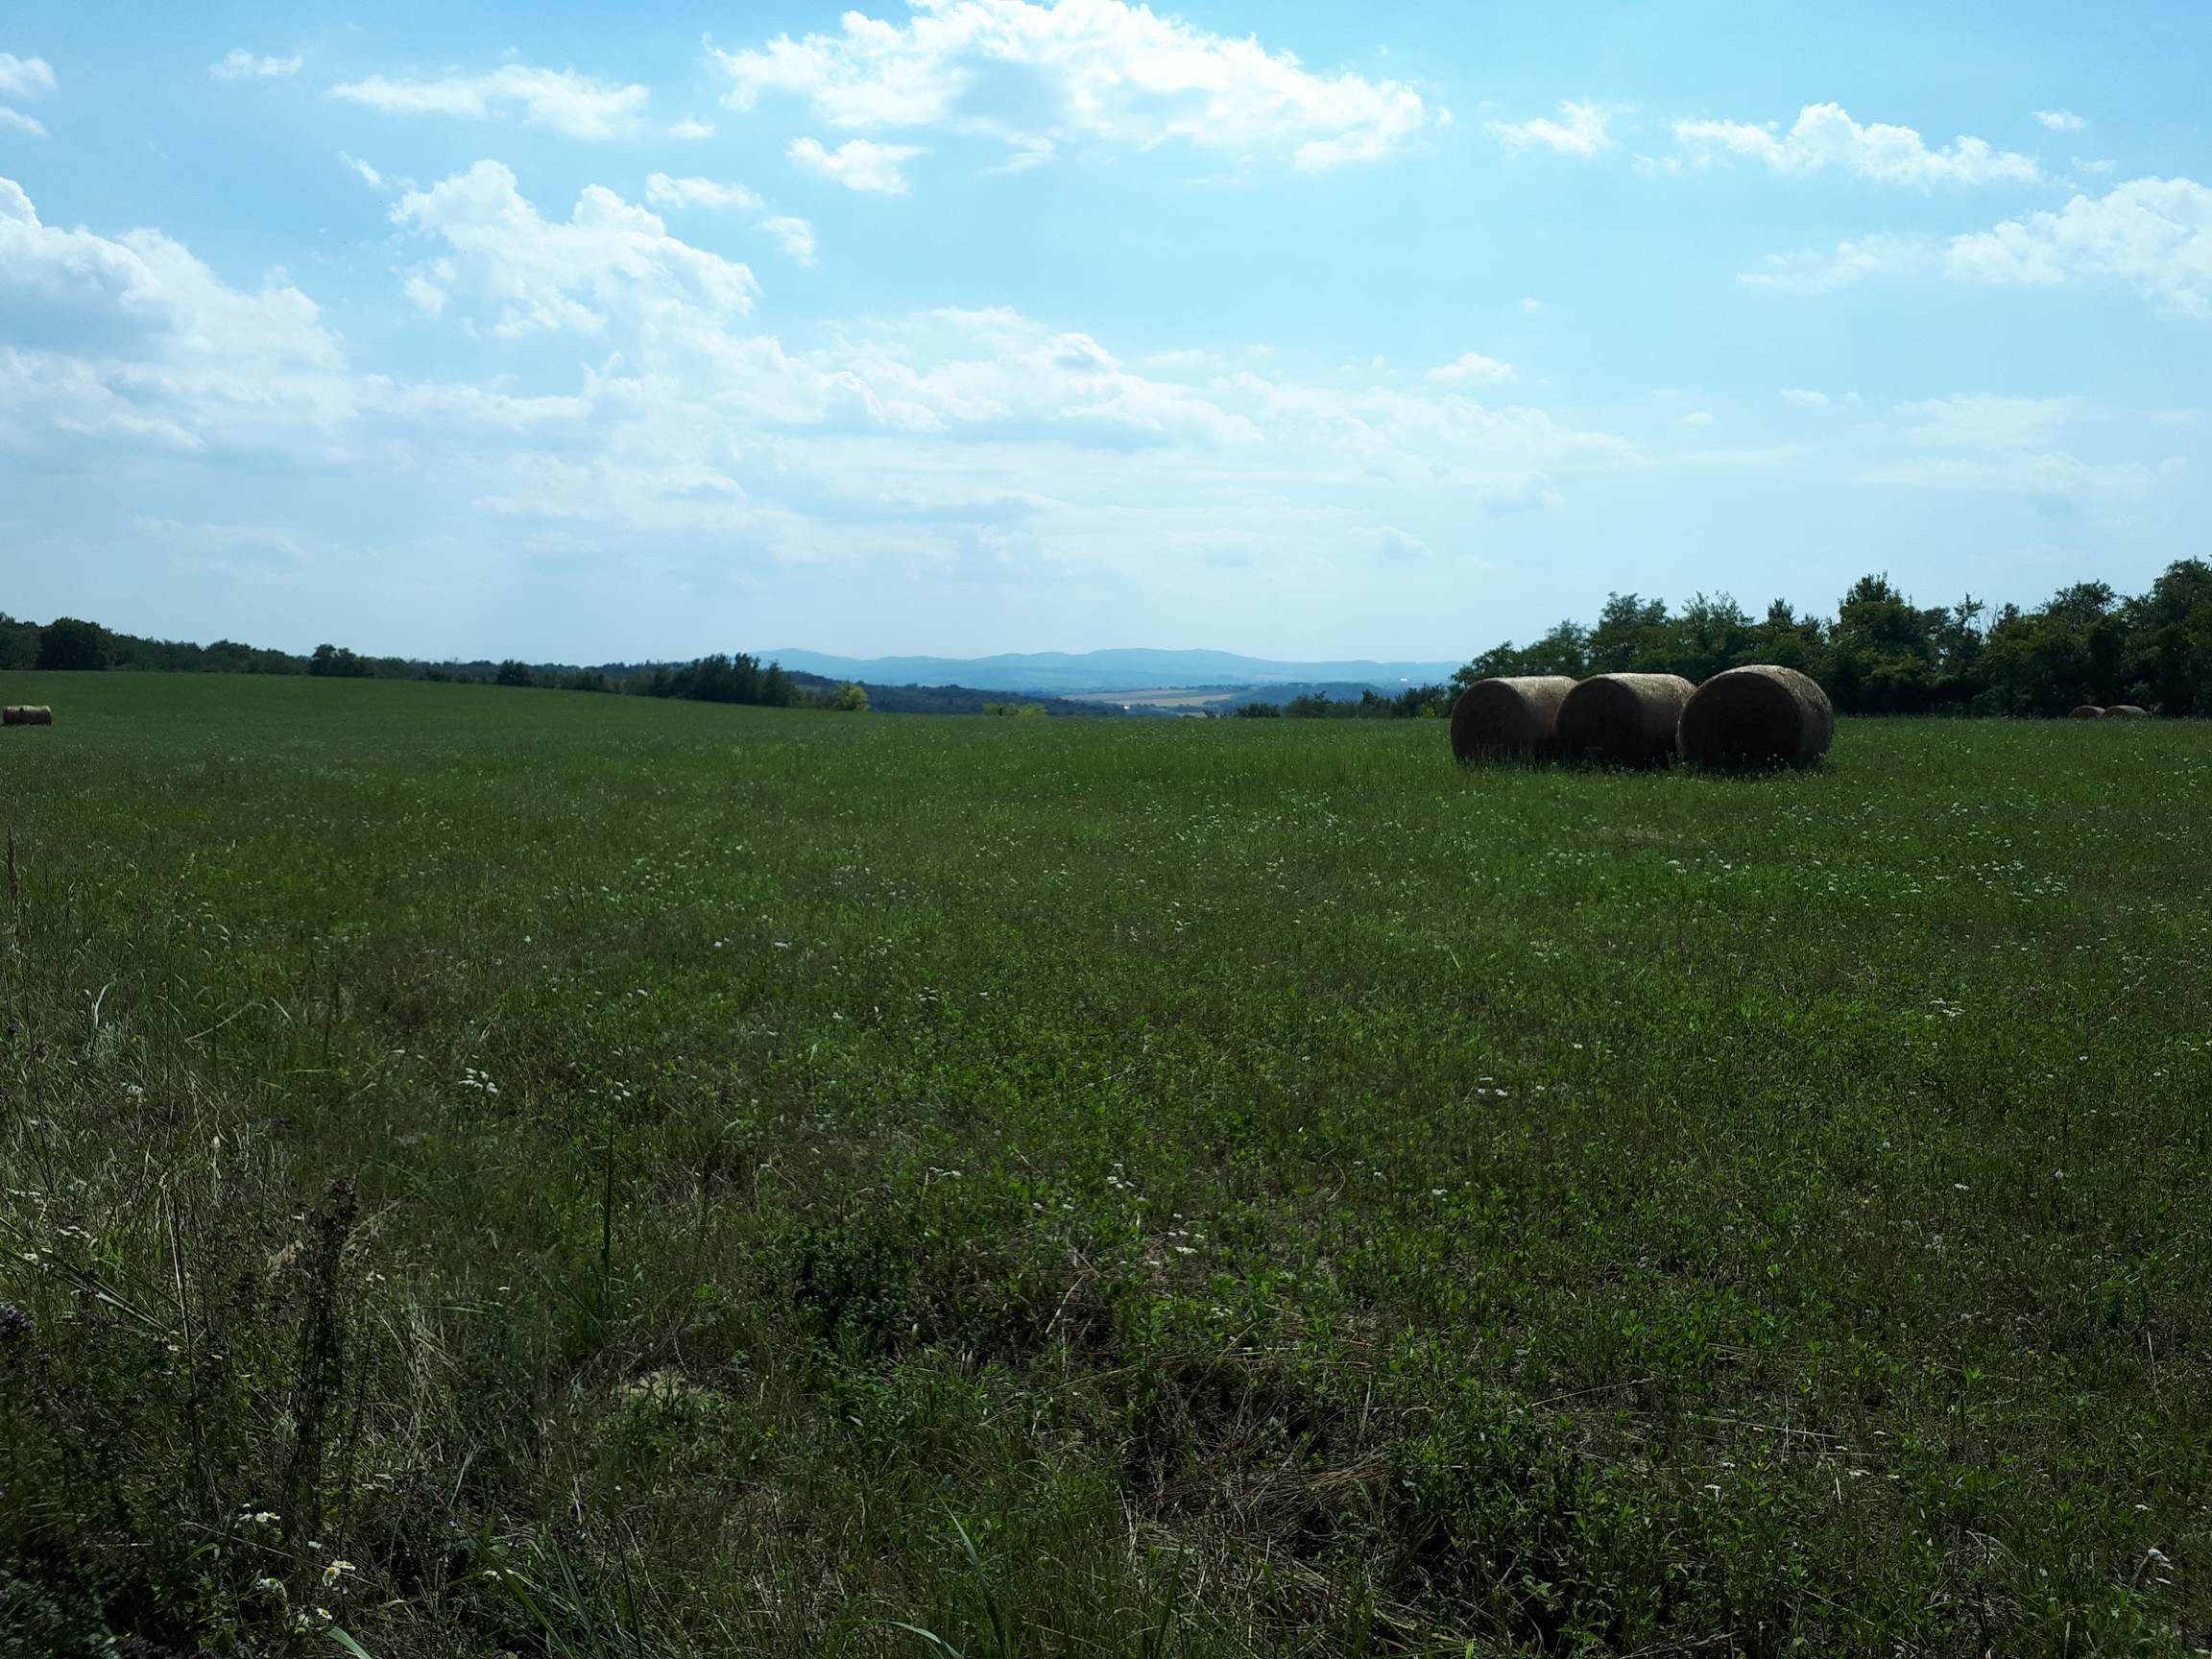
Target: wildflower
[[265, 1582], [14, 1322], [336, 1571]]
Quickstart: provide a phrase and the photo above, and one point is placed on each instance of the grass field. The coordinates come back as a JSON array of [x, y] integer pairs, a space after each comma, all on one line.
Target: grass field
[[509, 1170]]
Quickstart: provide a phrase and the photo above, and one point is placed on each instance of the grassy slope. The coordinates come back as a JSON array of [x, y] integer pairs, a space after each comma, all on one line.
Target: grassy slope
[[1269, 1188]]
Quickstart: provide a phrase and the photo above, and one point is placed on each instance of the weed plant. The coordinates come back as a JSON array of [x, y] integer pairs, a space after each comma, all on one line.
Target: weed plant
[[483, 1173]]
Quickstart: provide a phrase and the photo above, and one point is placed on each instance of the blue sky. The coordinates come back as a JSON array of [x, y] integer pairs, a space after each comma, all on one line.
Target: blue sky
[[594, 333]]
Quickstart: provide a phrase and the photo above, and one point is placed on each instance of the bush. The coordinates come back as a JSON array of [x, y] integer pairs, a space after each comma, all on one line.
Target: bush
[[514, 673]]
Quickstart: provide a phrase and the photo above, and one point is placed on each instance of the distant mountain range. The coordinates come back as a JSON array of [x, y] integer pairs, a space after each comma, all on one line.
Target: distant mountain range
[[1094, 671]]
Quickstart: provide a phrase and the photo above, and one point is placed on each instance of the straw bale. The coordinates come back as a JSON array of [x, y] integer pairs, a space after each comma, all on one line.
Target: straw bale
[[1761, 714], [1517, 715], [26, 715], [1626, 718], [2086, 712], [2126, 712]]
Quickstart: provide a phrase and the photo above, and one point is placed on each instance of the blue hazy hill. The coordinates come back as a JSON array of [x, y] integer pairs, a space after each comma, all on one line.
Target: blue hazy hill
[[1124, 670]]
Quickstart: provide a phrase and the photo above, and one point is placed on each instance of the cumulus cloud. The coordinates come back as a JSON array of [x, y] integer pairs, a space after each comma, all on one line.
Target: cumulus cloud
[[1472, 367], [796, 235], [2155, 234], [132, 339], [664, 191], [1825, 136], [25, 77], [1582, 134], [2060, 120], [1799, 394], [241, 65], [571, 104], [549, 275], [1101, 70], [858, 164], [645, 402], [361, 169]]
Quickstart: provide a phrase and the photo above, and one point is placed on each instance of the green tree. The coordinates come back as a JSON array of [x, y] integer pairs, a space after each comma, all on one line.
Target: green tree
[[2168, 661], [67, 643]]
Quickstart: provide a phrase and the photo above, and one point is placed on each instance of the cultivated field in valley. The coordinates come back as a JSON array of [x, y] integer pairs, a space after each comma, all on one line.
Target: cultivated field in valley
[[516, 1170]]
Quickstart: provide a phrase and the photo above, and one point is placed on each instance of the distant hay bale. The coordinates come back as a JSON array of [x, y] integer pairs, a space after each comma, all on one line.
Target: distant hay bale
[[1627, 718], [1508, 717], [2086, 712], [26, 715], [1761, 714], [2126, 712]]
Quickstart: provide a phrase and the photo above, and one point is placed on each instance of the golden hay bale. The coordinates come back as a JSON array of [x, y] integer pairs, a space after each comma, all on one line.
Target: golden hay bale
[[2126, 712], [26, 715], [1508, 717], [2086, 712], [1761, 714], [1628, 718]]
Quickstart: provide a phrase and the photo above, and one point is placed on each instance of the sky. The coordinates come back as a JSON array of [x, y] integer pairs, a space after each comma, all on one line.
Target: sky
[[962, 327]]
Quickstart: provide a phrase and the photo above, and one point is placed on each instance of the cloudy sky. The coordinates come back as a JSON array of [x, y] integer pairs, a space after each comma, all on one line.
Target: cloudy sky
[[974, 325]]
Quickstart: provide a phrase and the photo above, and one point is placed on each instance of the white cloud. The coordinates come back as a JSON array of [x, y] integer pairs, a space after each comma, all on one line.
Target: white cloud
[[858, 164], [547, 275], [796, 235], [1582, 134], [1826, 136], [664, 191], [1986, 420], [131, 339], [1798, 394], [2060, 120], [369, 175], [25, 77], [242, 66], [1988, 442], [1697, 417], [2155, 234], [918, 438], [572, 104], [1472, 367], [687, 127], [1852, 261], [1096, 69]]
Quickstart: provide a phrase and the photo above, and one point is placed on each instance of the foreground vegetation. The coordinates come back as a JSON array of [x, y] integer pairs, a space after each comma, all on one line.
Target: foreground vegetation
[[598, 1176]]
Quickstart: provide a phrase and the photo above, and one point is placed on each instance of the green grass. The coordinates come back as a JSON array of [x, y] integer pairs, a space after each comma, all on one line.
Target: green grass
[[644, 1178]]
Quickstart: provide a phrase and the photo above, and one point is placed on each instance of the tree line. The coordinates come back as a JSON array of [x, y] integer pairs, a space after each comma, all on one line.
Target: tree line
[[1881, 653], [70, 643]]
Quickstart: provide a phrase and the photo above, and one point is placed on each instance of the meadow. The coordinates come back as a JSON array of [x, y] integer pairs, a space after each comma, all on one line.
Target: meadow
[[497, 1170]]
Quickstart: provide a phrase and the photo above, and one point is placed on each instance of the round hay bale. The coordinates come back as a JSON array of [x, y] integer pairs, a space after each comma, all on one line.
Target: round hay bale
[[1758, 715], [1508, 717], [26, 715], [1626, 718], [2086, 712], [2126, 712]]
